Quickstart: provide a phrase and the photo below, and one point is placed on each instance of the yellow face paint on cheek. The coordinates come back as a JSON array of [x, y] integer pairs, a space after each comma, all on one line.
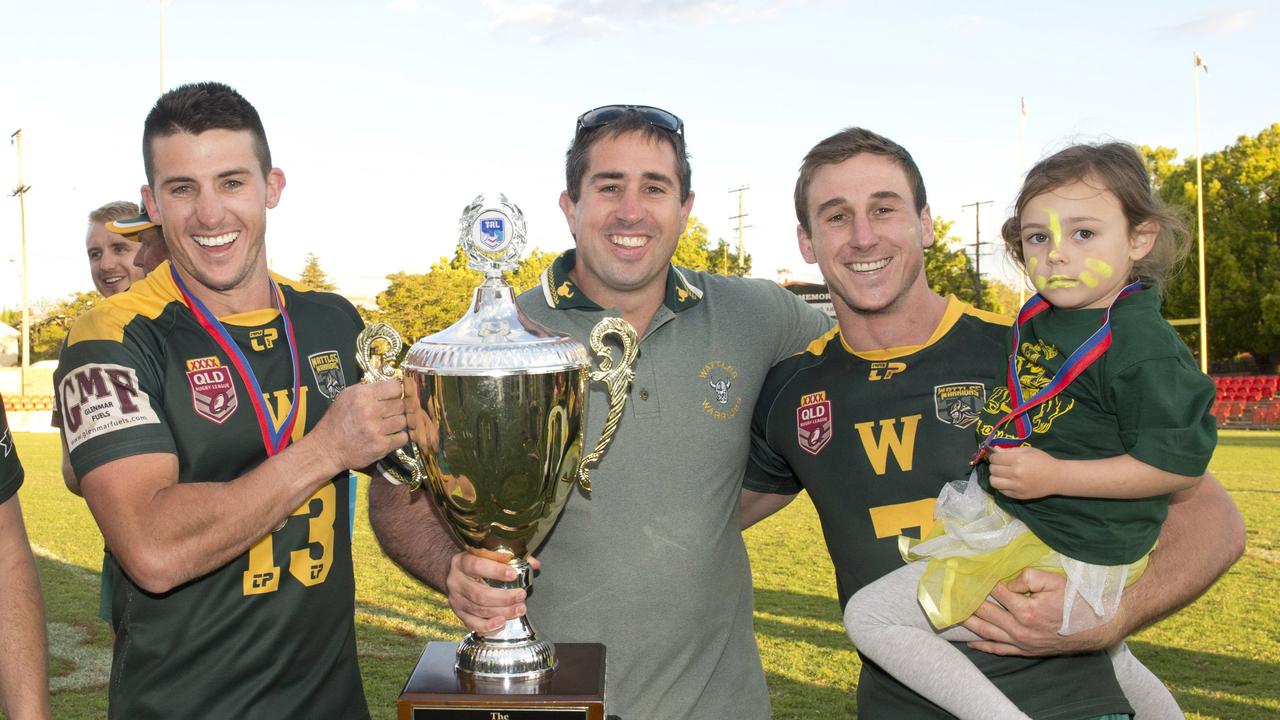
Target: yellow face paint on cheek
[[1036, 279], [1099, 266], [1089, 279]]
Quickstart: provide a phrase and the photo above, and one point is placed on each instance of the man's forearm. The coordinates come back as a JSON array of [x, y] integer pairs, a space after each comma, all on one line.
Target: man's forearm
[[1202, 537], [24, 678], [410, 532], [165, 533]]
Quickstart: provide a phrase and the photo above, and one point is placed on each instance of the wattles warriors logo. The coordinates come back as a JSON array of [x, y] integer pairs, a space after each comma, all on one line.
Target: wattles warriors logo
[[813, 422], [958, 404], [327, 368], [722, 402], [213, 394]]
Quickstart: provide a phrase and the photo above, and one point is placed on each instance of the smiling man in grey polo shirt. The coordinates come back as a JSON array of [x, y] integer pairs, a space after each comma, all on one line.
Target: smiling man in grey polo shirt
[[652, 563]]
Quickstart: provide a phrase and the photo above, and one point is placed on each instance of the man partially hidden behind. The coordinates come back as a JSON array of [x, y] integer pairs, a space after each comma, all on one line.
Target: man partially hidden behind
[[151, 248], [211, 455], [111, 254]]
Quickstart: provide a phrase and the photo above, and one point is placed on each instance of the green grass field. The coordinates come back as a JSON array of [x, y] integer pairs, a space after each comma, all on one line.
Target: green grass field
[[1221, 656]]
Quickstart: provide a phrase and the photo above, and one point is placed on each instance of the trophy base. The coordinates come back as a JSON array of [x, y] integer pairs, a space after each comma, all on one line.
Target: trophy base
[[574, 691], [523, 658]]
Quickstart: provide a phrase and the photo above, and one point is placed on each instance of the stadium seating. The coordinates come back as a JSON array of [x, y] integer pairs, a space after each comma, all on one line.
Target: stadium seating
[[1248, 401], [28, 403]]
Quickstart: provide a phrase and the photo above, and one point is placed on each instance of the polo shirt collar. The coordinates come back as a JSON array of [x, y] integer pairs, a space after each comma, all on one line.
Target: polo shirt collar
[[561, 293]]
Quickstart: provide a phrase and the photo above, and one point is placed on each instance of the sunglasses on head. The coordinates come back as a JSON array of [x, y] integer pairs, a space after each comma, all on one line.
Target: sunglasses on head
[[604, 115]]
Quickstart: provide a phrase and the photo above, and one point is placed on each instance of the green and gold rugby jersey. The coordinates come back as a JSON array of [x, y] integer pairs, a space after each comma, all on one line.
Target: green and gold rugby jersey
[[873, 437], [271, 633], [1144, 397], [11, 473]]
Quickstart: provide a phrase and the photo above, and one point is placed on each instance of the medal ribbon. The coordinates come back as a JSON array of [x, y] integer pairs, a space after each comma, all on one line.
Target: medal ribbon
[[274, 438], [1084, 356]]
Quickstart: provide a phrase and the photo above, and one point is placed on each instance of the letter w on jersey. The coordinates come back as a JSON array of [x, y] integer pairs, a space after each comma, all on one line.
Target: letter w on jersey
[[877, 448], [98, 399]]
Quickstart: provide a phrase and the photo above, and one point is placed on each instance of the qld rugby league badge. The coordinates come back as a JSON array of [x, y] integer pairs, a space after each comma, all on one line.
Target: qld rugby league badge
[[213, 393], [813, 422]]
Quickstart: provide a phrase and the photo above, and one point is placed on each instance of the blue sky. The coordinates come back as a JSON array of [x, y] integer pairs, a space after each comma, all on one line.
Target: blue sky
[[388, 116]]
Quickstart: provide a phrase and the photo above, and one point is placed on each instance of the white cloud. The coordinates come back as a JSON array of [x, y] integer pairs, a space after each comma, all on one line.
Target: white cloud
[[596, 17], [1222, 22], [405, 7], [965, 24]]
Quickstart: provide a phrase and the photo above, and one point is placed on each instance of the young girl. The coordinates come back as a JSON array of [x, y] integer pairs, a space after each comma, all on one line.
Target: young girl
[[1105, 414]]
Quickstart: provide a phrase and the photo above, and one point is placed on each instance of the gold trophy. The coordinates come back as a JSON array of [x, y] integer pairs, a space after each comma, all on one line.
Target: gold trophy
[[496, 405]]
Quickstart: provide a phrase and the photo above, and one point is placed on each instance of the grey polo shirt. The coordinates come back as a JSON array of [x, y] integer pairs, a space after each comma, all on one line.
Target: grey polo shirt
[[652, 562]]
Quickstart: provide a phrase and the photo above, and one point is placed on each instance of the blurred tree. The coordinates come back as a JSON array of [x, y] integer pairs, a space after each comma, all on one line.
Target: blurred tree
[[50, 322], [419, 304], [314, 277], [949, 269], [1242, 244]]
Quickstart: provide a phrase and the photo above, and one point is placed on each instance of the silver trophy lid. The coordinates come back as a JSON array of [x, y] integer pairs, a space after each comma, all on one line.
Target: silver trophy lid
[[494, 337]]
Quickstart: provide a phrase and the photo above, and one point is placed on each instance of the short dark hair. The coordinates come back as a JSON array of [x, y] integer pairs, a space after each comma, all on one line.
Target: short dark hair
[[575, 162], [1120, 168], [844, 145], [198, 107]]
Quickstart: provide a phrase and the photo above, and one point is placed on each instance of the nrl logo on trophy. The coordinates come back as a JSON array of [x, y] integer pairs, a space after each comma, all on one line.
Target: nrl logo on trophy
[[497, 406]]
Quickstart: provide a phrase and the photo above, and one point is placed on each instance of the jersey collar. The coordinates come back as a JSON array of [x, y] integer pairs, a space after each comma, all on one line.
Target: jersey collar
[[562, 294]]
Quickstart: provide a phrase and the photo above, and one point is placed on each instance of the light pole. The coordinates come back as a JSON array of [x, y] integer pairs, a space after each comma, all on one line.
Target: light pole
[[1204, 315], [741, 227], [161, 47], [1022, 169], [977, 250], [21, 192]]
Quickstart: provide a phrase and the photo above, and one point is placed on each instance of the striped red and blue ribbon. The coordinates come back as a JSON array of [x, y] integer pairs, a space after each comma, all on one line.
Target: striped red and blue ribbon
[[274, 437], [1089, 351]]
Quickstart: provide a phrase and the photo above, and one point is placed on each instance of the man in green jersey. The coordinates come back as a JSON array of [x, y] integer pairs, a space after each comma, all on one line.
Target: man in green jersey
[[24, 676], [876, 415], [202, 418]]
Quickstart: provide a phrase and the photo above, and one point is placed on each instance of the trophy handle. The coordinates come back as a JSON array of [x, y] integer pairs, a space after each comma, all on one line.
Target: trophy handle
[[616, 379], [377, 347]]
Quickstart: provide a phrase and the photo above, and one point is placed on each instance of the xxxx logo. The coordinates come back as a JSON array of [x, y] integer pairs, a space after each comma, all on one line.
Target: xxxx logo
[[813, 422]]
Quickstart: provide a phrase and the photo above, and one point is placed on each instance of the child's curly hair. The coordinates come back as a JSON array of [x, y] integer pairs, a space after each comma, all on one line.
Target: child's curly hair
[[1119, 167]]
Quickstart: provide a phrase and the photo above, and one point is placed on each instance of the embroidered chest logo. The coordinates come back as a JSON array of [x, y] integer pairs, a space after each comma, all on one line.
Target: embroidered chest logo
[[327, 369], [263, 339], [959, 404], [213, 394], [885, 370], [813, 422], [720, 401], [1033, 375]]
